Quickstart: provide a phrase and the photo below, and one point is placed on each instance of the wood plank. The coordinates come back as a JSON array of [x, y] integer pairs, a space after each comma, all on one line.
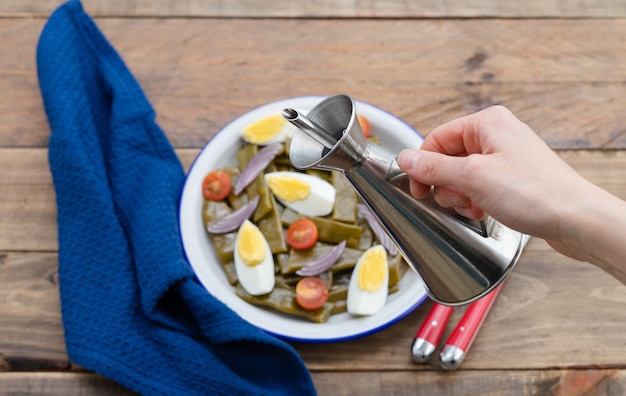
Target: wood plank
[[28, 218], [337, 8], [200, 74], [478, 383], [47, 384], [553, 312], [466, 383], [31, 333]]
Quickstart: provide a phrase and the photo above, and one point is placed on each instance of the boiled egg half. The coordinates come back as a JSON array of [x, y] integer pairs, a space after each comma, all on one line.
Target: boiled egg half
[[254, 262], [368, 289], [267, 130], [306, 194]]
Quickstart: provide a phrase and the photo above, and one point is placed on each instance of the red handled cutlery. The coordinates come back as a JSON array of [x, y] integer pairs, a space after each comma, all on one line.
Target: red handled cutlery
[[429, 334], [460, 341]]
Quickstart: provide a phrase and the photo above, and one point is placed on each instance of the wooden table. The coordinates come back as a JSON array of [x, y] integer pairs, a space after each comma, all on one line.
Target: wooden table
[[558, 326]]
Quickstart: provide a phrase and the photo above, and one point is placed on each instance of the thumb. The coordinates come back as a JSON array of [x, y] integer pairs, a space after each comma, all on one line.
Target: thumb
[[430, 168]]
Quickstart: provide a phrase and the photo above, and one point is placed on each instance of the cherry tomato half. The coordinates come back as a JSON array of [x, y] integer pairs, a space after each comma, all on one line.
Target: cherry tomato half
[[216, 186], [311, 293], [302, 234], [366, 127]]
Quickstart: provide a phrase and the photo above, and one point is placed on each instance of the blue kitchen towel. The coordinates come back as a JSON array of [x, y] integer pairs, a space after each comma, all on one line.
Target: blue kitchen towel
[[132, 308]]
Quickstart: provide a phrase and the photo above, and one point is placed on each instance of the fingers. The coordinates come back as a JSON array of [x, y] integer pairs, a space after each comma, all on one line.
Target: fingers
[[454, 137], [426, 169], [450, 197], [470, 211], [418, 190], [467, 135], [459, 159], [429, 168]]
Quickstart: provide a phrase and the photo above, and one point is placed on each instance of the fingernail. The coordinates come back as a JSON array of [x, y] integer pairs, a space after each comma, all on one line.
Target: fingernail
[[408, 158]]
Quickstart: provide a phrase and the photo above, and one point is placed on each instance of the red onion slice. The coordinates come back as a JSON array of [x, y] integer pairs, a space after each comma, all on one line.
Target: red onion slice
[[256, 165], [232, 221], [323, 262], [378, 230]]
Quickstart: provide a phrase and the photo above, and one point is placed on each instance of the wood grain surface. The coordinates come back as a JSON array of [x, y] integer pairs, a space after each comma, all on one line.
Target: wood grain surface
[[200, 74], [327, 8], [557, 327]]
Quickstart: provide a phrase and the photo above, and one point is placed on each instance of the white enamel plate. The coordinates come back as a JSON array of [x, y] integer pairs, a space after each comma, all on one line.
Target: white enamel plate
[[220, 151]]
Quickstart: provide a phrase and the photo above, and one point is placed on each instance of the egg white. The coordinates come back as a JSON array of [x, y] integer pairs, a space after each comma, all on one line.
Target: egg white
[[259, 279], [320, 200], [363, 302]]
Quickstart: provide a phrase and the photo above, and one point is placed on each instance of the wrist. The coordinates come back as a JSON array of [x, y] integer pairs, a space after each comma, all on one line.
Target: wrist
[[592, 230]]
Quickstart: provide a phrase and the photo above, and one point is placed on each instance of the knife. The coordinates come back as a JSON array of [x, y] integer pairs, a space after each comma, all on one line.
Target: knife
[[428, 336], [462, 337]]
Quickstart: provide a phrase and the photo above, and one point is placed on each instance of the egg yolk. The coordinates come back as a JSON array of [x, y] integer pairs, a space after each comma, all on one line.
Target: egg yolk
[[289, 189], [372, 270], [250, 246], [264, 129]]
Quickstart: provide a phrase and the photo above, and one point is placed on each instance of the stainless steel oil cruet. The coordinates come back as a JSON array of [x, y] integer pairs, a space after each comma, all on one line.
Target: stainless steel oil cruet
[[460, 260]]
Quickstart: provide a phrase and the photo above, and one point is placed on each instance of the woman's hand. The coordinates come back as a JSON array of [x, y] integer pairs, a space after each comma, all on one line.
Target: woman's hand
[[491, 162]]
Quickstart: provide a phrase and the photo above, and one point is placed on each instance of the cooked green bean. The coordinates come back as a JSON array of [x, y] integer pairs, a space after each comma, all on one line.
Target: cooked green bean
[[367, 236], [272, 228], [258, 186], [224, 244], [397, 268], [338, 293], [300, 258], [329, 230], [340, 307], [235, 201], [335, 231], [284, 300], [345, 199]]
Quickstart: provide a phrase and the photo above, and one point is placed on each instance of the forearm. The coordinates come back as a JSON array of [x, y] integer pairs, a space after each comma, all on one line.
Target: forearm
[[596, 231]]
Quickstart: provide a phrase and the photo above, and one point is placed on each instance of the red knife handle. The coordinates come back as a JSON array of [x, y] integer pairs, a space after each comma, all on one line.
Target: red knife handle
[[435, 323], [467, 329], [465, 332], [429, 334]]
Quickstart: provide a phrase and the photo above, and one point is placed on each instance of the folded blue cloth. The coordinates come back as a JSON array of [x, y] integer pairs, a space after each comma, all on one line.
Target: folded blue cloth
[[132, 308]]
